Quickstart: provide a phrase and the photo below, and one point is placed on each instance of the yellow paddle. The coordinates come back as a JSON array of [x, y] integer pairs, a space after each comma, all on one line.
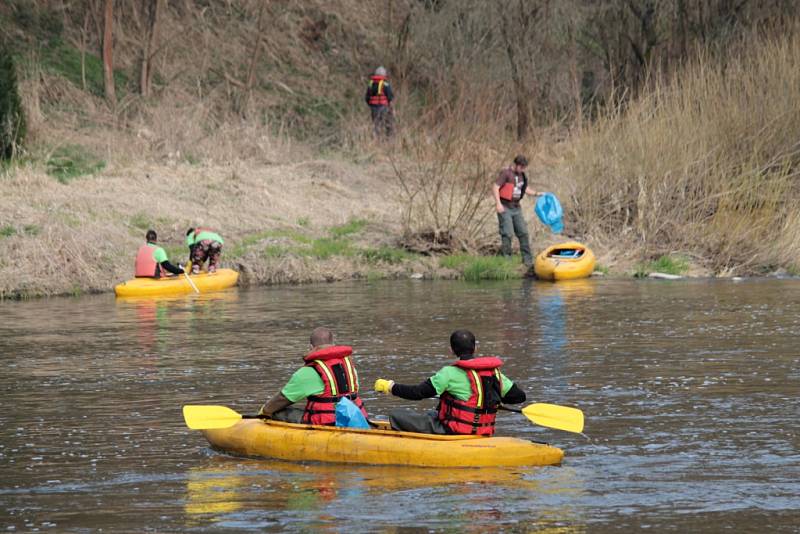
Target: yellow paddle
[[549, 415], [552, 416], [208, 417]]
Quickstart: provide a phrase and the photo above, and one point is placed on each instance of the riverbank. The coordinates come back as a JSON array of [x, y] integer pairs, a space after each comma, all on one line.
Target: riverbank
[[309, 220]]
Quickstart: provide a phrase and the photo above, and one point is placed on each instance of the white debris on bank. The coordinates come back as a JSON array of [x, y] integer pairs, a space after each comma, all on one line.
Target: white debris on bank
[[664, 276]]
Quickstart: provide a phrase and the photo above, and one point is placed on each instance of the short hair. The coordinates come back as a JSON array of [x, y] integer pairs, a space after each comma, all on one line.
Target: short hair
[[321, 336], [151, 236], [462, 342], [521, 160], [189, 231]]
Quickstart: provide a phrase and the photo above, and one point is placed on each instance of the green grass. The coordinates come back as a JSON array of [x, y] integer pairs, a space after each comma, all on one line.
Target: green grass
[[7, 231], [276, 251], [65, 60], [349, 228], [303, 221], [385, 254], [667, 264], [601, 269], [31, 229], [475, 268], [141, 221], [325, 247], [71, 161]]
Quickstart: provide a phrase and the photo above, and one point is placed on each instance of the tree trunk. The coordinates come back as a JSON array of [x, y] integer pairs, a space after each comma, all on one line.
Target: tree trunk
[[108, 51], [150, 12], [523, 109]]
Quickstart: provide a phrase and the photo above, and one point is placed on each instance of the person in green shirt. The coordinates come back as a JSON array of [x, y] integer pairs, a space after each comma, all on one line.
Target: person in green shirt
[[151, 259], [470, 391], [204, 244], [328, 375]]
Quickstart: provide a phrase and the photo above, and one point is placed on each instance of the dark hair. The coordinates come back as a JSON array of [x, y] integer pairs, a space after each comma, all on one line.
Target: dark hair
[[521, 160], [151, 236], [462, 342], [321, 336], [189, 231]]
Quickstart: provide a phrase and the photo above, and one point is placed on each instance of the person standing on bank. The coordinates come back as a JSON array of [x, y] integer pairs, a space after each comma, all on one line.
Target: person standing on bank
[[470, 390], [508, 189], [379, 98]]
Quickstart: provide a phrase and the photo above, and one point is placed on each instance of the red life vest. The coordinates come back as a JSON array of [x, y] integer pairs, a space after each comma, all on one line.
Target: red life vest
[[341, 380], [145, 265], [477, 414], [377, 96], [507, 189]]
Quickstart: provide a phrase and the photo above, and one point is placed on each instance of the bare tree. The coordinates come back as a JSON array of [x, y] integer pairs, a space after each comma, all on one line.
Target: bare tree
[[150, 10], [108, 51]]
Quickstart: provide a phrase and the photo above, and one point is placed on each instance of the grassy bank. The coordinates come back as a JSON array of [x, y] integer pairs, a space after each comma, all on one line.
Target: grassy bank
[[704, 166]]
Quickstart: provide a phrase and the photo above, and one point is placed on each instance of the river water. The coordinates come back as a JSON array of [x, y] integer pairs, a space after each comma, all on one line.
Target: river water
[[690, 391]]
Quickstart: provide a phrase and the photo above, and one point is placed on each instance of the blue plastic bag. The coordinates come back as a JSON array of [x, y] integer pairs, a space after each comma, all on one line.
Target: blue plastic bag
[[549, 211], [349, 415]]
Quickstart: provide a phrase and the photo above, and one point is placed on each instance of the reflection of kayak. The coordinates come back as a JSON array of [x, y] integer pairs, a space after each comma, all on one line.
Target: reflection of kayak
[[286, 441], [564, 262], [176, 285]]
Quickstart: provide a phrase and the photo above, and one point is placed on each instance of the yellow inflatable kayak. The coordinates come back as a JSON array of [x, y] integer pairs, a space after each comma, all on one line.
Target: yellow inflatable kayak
[[287, 441], [177, 285], [566, 261]]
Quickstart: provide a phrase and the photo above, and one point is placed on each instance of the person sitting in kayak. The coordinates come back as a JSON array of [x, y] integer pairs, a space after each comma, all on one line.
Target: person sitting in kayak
[[152, 261], [204, 244], [328, 375], [470, 390]]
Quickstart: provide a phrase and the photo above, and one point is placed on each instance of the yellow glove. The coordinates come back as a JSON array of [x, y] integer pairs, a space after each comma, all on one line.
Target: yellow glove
[[384, 386]]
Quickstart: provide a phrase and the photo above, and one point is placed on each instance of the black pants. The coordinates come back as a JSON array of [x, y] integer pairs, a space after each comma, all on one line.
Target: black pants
[[413, 421]]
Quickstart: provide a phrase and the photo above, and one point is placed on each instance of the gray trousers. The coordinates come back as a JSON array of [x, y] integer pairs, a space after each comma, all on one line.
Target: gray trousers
[[413, 421], [511, 222], [290, 414]]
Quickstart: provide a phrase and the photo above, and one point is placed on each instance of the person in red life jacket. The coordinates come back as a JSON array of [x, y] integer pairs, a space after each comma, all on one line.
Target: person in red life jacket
[[379, 98], [152, 261], [204, 244], [328, 375], [508, 189], [469, 390]]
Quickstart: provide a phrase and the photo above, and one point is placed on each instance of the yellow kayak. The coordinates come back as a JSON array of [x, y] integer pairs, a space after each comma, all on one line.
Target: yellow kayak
[[287, 441], [177, 285], [566, 261]]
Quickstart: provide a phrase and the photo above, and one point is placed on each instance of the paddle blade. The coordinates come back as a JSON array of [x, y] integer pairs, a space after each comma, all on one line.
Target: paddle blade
[[555, 416], [208, 417]]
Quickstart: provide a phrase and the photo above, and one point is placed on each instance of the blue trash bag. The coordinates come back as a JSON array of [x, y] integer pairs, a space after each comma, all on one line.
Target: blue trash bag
[[549, 211], [349, 415]]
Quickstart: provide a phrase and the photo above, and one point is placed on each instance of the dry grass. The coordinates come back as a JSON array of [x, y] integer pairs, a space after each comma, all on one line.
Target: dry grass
[[705, 165]]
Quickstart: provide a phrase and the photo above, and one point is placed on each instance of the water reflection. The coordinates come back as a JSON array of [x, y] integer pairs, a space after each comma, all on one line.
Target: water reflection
[[249, 493]]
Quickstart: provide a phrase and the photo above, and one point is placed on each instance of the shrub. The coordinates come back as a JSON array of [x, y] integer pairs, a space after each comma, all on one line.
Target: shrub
[[12, 116], [71, 161]]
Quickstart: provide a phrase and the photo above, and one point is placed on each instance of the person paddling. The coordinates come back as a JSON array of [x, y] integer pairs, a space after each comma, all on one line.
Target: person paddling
[[151, 260], [204, 244], [470, 391], [328, 375]]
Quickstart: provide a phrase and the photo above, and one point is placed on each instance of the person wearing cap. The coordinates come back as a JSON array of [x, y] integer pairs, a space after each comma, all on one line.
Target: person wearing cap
[[151, 260], [328, 375], [470, 391], [508, 189], [379, 98]]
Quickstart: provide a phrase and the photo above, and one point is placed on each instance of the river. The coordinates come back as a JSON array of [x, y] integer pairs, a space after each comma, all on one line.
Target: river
[[690, 391]]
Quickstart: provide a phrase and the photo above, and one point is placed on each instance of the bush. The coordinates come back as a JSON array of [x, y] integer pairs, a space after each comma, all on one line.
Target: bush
[[72, 161], [12, 116]]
